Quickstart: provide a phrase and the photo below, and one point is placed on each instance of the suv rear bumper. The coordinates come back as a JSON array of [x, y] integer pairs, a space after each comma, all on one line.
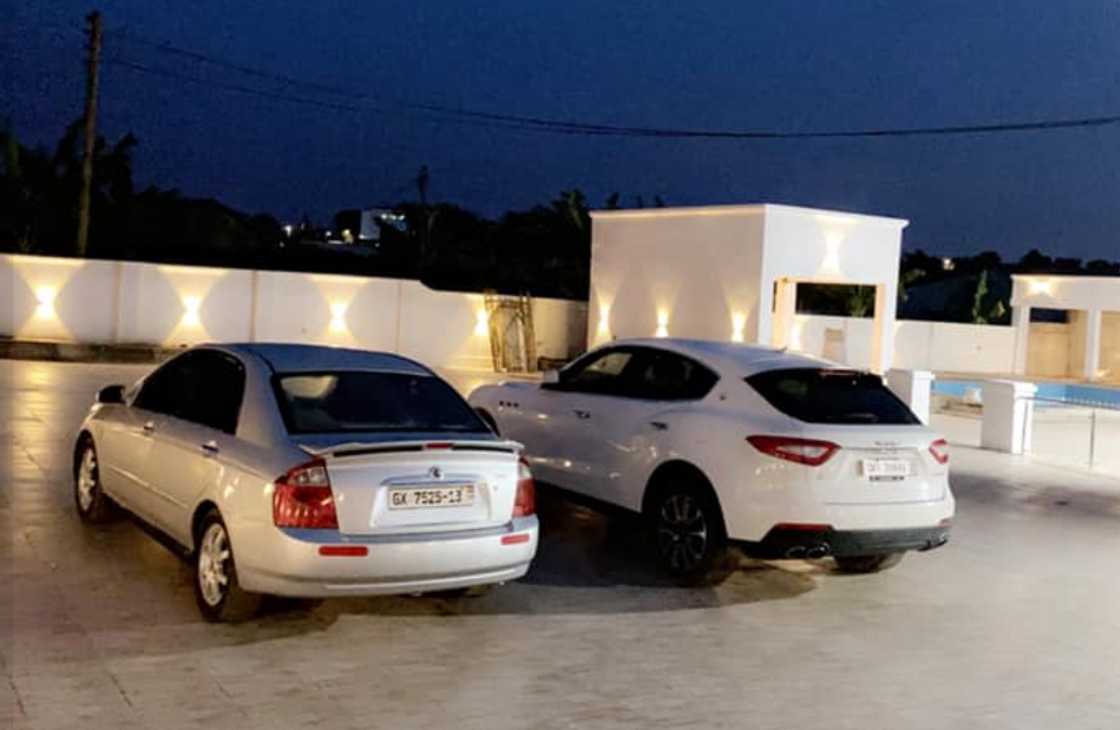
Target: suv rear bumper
[[795, 542]]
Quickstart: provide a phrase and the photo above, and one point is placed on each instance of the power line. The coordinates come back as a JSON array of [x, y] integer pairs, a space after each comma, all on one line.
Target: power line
[[306, 101], [567, 126], [338, 91]]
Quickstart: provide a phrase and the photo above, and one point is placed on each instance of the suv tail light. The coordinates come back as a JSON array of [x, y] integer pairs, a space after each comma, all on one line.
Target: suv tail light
[[801, 451], [940, 451], [303, 498], [525, 503]]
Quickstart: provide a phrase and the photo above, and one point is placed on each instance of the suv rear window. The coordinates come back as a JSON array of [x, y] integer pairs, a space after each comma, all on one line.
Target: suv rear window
[[831, 396], [364, 401]]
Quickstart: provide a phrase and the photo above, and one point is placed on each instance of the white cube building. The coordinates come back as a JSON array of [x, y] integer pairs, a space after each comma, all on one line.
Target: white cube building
[[730, 272]]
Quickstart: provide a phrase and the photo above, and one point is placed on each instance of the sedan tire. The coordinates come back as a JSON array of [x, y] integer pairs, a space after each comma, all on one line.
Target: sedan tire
[[216, 589], [688, 532], [94, 506]]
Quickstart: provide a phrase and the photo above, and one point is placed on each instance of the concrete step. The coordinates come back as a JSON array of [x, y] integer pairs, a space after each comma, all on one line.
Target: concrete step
[[82, 352]]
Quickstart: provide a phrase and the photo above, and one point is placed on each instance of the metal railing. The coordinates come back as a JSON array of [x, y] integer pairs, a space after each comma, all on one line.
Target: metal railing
[[1055, 419]]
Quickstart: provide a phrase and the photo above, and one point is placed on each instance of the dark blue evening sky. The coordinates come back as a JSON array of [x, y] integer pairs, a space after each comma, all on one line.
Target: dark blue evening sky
[[793, 65]]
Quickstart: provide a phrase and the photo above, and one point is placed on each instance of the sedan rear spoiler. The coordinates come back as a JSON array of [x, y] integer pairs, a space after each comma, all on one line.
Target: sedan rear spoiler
[[358, 448]]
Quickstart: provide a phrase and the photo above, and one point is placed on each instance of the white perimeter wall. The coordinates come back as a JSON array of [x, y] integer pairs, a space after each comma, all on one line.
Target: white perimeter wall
[[126, 302]]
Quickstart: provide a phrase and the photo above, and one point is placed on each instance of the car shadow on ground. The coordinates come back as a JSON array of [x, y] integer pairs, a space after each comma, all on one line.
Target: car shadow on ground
[[589, 563], [586, 564]]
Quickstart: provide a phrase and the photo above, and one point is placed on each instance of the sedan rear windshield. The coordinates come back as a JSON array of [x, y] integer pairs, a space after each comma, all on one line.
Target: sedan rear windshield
[[831, 396], [360, 401]]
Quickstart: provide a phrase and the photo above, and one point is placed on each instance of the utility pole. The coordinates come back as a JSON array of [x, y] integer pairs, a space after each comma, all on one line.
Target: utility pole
[[92, 61]]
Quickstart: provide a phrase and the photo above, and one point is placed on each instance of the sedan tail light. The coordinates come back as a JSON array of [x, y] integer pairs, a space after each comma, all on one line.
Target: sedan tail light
[[940, 451], [525, 503], [810, 452], [303, 498]]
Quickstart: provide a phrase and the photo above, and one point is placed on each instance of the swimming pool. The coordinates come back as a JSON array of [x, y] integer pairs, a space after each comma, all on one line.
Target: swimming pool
[[1072, 392]]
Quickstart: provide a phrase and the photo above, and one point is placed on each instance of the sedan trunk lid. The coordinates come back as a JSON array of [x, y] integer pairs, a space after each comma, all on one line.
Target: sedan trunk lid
[[397, 486]]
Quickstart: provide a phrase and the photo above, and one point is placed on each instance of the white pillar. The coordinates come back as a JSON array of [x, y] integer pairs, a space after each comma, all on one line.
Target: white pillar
[[1008, 416], [785, 307], [1093, 344], [1021, 321], [913, 387], [882, 346]]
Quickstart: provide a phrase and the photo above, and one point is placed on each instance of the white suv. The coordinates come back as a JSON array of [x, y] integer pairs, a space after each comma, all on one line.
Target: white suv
[[720, 445]]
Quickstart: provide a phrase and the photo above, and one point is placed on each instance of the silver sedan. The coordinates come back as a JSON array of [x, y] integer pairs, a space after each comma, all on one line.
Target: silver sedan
[[308, 472]]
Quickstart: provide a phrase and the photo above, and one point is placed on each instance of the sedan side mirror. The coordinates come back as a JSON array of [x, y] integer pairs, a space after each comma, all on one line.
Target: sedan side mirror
[[550, 377], [111, 394]]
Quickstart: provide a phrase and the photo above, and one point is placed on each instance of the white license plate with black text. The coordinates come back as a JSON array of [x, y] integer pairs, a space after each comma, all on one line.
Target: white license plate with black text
[[453, 495], [886, 469]]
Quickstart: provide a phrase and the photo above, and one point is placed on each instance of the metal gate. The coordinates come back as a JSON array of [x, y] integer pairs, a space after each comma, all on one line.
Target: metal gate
[[513, 344]]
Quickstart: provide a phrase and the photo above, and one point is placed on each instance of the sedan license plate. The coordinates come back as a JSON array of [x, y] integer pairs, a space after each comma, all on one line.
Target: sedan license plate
[[455, 495], [886, 469]]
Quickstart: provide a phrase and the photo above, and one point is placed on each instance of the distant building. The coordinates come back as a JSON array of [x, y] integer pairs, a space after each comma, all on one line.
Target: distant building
[[372, 219], [363, 227]]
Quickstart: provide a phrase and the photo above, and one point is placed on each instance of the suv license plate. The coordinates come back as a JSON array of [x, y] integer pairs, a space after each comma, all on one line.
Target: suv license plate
[[886, 468], [456, 495]]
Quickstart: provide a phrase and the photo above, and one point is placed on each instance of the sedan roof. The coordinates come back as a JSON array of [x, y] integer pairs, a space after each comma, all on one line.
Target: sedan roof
[[295, 358], [732, 357]]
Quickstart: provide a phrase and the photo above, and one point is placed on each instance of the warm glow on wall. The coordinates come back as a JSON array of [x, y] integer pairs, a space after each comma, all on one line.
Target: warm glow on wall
[[831, 261], [604, 321], [191, 306], [338, 317], [1040, 286], [795, 335], [738, 324], [44, 295], [662, 324], [482, 323]]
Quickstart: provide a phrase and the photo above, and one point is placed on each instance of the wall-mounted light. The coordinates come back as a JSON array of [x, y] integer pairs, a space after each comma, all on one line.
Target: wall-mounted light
[[662, 324], [482, 323], [738, 324], [44, 295], [191, 306], [338, 317], [947, 264]]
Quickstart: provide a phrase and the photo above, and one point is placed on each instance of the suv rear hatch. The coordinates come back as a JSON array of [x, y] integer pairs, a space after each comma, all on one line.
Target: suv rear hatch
[[884, 453]]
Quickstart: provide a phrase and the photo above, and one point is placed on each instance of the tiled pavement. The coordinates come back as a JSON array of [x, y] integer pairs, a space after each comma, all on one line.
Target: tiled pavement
[[1015, 624]]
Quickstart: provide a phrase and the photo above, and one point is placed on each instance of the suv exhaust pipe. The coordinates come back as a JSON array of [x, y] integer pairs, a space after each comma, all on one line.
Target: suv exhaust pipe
[[818, 551]]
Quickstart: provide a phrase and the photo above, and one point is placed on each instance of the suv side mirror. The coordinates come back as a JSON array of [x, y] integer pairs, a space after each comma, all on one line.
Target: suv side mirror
[[111, 394], [550, 377]]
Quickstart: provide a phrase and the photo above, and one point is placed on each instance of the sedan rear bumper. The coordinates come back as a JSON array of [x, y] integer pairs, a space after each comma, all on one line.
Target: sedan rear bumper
[[293, 563], [796, 542]]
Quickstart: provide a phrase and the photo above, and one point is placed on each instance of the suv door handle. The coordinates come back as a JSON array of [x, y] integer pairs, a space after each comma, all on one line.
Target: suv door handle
[[210, 448], [148, 428], [659, 425], [582, 415]]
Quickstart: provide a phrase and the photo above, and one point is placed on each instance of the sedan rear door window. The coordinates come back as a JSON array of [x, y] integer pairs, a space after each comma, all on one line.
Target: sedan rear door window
[[202, 386], [370, 401], [817, 395]]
